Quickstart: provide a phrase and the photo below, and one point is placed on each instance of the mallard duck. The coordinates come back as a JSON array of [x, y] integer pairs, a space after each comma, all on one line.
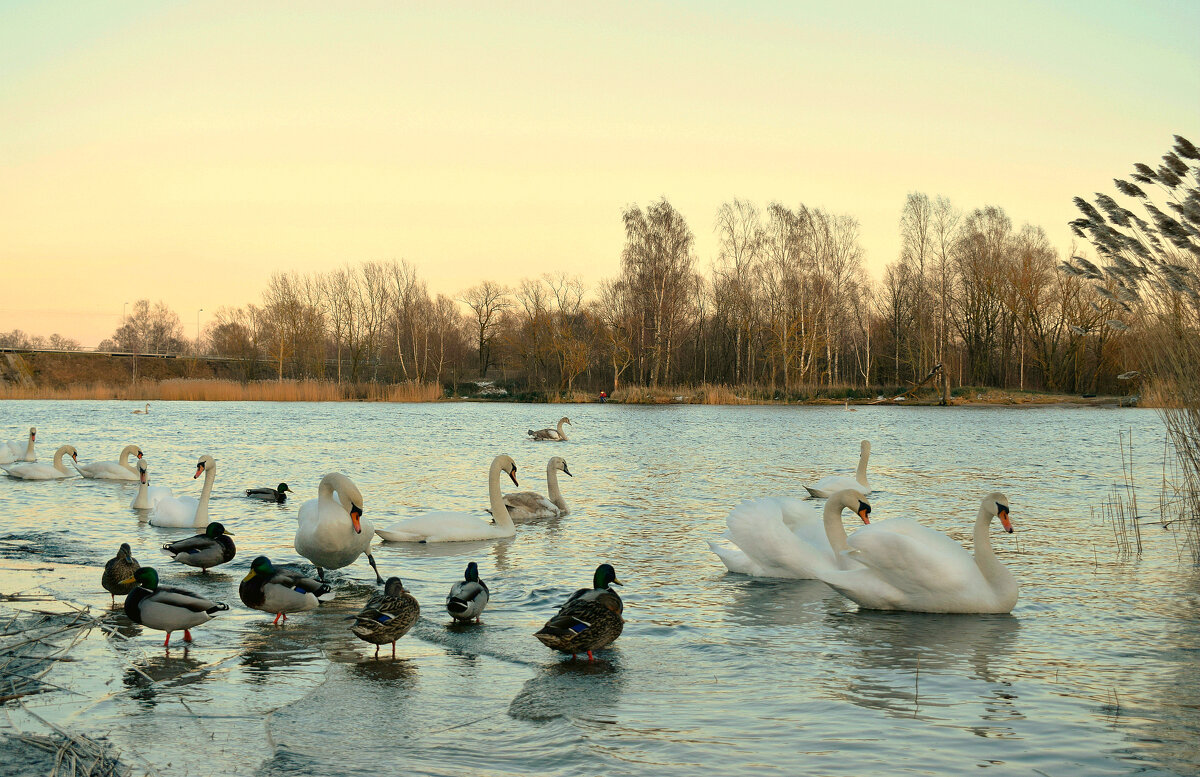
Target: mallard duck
[[268, 494], [468, 596], [118, 569], [275, 590], [590, 620], [165, 608], [387, 616], [205, 550]]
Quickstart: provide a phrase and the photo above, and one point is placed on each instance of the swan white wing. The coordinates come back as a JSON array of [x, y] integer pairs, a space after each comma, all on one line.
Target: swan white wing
[[175, 512], [736, 560], [442, 527], [758, 530], [108, 470], [35, 471], [528, 505], [800, 513], [914, 558], [831, 484]]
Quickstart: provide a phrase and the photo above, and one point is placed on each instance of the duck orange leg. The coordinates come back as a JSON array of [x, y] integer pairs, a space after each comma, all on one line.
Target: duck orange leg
[[167, 641], [187, 635]]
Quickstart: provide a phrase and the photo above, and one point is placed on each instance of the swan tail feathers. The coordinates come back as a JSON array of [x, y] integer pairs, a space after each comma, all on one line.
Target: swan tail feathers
[[813, 493]]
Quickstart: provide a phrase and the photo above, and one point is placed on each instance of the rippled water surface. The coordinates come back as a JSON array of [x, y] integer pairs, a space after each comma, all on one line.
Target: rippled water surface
[[1097, 671]]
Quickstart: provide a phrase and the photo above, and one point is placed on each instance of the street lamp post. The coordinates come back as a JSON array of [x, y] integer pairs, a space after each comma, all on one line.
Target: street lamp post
[[198, 312]]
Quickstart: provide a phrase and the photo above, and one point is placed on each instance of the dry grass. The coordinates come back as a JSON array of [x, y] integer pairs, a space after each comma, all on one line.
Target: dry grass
[[207, 390]]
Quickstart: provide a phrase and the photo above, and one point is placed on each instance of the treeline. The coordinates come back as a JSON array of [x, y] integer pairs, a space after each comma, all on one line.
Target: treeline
[[785, 304]]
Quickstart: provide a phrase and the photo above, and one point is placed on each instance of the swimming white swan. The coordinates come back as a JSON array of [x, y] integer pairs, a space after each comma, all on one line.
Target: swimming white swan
[[530, 505], [31, 470], [329, 535], [147, 495], [784, 537], [553, 435], [15, 451], [143, 412], [113, 470], [833, 483], [899, 564], [461, 527], [185, 511]]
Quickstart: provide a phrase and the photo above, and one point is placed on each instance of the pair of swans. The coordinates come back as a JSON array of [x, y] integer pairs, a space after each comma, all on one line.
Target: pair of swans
[[32, 470], [184, 511], [330, 534], [120, 469], [897, 564], [19, 451], [460, 526], [553, 435], [831, 484], [148, 496]]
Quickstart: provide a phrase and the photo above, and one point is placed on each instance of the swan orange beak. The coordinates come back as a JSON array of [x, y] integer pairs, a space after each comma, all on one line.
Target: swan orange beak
[[139, 454], [355, 514], [513, 475], [863, 514], [199, 470], [1007, 524], [74, 457]]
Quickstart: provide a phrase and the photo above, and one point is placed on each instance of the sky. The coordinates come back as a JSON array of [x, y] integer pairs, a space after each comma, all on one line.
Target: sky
[[185, 151]]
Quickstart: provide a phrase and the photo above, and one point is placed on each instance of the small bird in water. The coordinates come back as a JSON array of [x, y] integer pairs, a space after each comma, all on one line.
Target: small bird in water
[[468, 596], [205, 550], [278, 591], [590, 619], [268, 494], [387, 616], [118, 572], [165, 608]]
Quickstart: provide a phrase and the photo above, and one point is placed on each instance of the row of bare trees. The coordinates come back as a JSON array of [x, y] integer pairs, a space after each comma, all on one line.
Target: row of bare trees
[[787, 305]]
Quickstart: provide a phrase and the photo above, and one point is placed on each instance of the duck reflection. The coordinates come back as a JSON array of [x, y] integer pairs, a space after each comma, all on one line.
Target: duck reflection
[[571, 688], [395, 674], [888, 653], [267, 650], [172, 670]]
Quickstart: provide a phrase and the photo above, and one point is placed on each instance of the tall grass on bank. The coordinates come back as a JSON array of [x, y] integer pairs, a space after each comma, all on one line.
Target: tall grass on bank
[[233, 391], [743, 394]]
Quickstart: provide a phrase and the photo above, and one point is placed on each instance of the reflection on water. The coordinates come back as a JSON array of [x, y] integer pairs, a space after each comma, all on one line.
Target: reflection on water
[[1095, 672]]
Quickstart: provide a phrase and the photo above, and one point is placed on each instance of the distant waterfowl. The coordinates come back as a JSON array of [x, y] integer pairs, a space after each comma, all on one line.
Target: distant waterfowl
[[330, 535], [530, 505], [206, 550], [182, 512], [387, 616], [147, 495], [552, 435], [468, 596], [833, 483], [32, 470], [143, 412], [850, 409], [459, 526], [280, 592], [783, 537], [899, 564], [120, 469], [165, 608], [119, 571], [19, 451], [589, 620], [269, 494]]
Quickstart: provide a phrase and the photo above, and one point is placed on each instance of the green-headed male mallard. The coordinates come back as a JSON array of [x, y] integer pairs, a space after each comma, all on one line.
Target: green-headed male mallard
[[275, 590], [387, 616], [165, 608], [118, 572], [468, 596], [268, 494], [590, 619], [205, 550]]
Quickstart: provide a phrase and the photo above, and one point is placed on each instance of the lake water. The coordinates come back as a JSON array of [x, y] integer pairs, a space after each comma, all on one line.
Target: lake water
[[1097, 670]]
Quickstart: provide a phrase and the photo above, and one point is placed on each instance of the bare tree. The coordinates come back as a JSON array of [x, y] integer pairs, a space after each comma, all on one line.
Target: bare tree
[[486, 301]]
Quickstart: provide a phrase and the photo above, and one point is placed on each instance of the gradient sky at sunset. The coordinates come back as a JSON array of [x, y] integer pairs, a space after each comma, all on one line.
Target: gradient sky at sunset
[[185, 151]]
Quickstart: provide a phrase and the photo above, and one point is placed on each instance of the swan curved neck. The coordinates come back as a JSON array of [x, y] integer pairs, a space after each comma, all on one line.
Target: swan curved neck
[[58, 460], [210, 474], [496, 499], [29, 449], [835, 530], [985, 555], [861, 473], [552, 484], [561, 434]]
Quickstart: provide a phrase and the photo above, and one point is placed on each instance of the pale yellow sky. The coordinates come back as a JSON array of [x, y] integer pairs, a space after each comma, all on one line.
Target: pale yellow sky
[[185, 151]]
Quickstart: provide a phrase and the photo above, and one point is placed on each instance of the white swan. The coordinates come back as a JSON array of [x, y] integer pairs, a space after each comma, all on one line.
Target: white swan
[[899, 564], [530, 505], [553, 435], [15, 451], [833, 483], [185, 511], [461, 527], [148, 496], [329, 535], [784, 537], [143, 412], [113, 470], [31, 470]]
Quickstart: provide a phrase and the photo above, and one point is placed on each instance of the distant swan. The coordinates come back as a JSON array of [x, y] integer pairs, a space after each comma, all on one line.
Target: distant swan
[[31, 470], [15, 451], [784, 537], [899, 564], [113, 470], [147, 495], [553, 435], [530, 505], [458, 526], [330, 535], [143, 412], [833, 483], [184, 511]]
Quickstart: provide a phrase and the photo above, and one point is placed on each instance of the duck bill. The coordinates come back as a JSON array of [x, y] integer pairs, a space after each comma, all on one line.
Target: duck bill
[[249, 576], [615, 581], [355, 516], [128, 581], [1007, 524]]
